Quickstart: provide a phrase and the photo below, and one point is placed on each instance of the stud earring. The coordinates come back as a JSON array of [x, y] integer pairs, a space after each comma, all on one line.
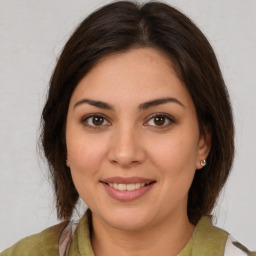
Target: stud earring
[[203, 163], [67, 162]]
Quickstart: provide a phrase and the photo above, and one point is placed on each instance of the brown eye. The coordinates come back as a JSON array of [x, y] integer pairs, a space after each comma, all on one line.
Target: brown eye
[[159, 121], [95, 121]]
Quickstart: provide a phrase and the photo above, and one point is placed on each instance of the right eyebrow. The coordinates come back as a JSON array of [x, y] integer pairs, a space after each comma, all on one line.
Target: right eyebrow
[[95, 103], [158, 102]]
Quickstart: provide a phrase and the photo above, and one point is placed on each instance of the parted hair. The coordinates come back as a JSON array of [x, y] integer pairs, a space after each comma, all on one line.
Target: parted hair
[[121, 26]]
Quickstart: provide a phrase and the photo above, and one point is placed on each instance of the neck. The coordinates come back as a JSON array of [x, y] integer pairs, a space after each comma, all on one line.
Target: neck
[[165, 239]]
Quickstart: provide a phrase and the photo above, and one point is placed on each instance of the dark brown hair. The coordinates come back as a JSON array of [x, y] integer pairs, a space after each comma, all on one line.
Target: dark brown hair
[[118, 27]]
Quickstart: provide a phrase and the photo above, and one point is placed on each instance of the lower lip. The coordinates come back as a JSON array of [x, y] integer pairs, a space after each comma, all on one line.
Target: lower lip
[[126, 195]]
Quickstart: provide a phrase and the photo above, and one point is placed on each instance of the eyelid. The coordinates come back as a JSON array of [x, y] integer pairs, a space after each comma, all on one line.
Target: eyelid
[[86, 117], [167, 116]]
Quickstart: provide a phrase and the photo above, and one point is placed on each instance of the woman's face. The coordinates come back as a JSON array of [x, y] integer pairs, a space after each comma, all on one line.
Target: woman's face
[[133, 140]]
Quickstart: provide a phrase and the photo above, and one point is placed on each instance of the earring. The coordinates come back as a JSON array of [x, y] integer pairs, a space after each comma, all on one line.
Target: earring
[[203, 163], [67, 162]]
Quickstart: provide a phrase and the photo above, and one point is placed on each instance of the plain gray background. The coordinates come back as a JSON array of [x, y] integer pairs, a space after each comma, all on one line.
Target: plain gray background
[[32, 34]]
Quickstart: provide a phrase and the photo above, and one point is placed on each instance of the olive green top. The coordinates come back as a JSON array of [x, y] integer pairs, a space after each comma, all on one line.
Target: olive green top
[[207, 240]]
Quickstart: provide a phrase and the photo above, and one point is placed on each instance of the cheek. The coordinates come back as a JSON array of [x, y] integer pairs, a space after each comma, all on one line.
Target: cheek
[[175, 160], [86, 154], [175, 153], [85, 157], [85, 162]]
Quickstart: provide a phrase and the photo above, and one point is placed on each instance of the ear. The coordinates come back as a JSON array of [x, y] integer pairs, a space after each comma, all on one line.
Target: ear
[[204, 146]]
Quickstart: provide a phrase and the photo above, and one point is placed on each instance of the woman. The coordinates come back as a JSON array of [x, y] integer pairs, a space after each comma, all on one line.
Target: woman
[[138, 124]]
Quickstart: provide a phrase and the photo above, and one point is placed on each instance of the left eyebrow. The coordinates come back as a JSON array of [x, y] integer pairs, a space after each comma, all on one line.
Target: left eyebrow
[[156, 102], [95, 103]]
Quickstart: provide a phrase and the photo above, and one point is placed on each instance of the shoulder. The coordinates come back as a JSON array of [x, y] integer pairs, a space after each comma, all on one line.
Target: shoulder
[[208, 239], [44, 243], [212, 241], [234, 248]]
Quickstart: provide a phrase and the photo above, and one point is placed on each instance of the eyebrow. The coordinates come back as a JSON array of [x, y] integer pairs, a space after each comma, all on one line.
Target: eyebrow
[[157, 102], [143, 106], [95, 103]]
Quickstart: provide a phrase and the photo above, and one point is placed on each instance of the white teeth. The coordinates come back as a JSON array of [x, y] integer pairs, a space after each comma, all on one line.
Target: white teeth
[[122, 187], [137, 185], [129, 187]]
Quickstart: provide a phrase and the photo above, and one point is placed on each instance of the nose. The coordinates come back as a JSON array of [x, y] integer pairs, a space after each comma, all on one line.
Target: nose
[[126, 148]]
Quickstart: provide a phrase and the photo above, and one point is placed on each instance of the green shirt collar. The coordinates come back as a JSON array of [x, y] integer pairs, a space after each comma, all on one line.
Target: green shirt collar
[[206, 239]]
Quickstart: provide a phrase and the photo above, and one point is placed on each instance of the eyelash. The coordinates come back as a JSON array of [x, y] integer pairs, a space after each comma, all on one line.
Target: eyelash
[[86, 118], [166, 117]]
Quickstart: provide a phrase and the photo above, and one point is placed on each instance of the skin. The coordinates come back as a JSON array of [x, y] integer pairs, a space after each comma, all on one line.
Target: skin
[[130, 142]]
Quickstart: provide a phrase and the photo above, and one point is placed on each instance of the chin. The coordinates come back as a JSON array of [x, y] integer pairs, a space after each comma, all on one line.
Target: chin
[[132, 224], [129, 219]]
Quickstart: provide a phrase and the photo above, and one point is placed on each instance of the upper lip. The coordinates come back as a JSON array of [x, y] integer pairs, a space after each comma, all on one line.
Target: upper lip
[[127, 180]]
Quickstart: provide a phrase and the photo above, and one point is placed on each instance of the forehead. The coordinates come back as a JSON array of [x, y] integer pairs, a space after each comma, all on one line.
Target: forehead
[[135, 75]]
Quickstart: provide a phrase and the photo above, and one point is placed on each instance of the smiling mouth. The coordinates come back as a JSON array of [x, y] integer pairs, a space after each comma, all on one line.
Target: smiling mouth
[[128, 187]]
